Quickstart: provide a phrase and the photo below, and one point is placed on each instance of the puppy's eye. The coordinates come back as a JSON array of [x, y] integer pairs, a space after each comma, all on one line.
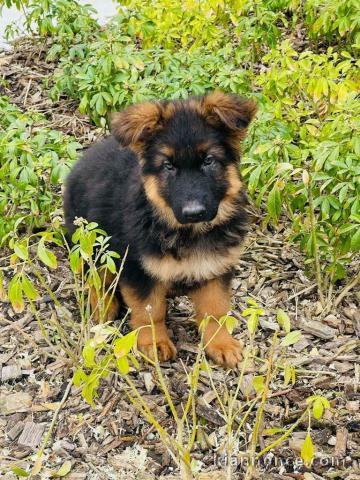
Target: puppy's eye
[[209, 160], [168, 165]]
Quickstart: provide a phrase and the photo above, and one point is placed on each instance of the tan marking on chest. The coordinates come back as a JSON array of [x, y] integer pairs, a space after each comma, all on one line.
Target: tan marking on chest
[[198, 265]]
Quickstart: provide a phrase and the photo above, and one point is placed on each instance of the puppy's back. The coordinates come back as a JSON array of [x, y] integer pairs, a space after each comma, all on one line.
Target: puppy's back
[[98, 183]]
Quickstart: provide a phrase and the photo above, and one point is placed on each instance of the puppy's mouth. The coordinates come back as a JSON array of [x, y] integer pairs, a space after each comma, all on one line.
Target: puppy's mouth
[[195, 221]]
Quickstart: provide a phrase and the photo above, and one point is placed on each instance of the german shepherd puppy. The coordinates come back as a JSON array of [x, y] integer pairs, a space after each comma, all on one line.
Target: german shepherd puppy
[[166, 185]]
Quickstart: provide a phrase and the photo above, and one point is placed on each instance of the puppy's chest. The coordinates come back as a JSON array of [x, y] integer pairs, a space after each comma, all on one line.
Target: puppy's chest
[[194, 264]]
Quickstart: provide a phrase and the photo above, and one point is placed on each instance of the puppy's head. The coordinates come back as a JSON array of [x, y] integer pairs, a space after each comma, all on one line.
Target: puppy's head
[[189, 150]]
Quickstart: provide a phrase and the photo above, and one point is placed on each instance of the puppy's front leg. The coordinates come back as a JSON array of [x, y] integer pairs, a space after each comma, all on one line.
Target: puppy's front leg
[[143, 309], [106, 308], [213, 300]]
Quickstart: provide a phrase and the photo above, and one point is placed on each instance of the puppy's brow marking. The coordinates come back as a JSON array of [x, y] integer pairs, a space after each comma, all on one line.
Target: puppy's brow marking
[[167, 150]]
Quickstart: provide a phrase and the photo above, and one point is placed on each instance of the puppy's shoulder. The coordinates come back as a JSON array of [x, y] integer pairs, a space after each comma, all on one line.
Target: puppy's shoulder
[[106, 156], [108, 151]]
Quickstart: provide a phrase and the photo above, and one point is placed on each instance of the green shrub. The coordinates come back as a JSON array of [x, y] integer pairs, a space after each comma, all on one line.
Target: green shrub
[[114, 74], [335, 21], [34, 161], [305, 149], [65, 22], [172, 25], [98, 351]]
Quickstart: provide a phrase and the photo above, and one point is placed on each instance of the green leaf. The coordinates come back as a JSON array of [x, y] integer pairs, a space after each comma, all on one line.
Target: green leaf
[[325, 208], [29, 289], [307, 451], [122, 346], [252, 323], [20, 472], [87, 241], [254, 179], [318, 408], [283, 320], [313, 130], [134, 361], [83, 104], [100, 105], [36, 468], [283, 167], [262, 148], [123, 365], [21, 250], [79, 377], [75, 261], [229, 322], [347, 227], [274, 203], [15, 294], [45, 255], [90, 389], [88, 354], [2, 287], [205, 367], [258, 383], [287, 374], [252, 302], [355, 241], [291, 338], [204, 323], [63, 470], [110, 265]]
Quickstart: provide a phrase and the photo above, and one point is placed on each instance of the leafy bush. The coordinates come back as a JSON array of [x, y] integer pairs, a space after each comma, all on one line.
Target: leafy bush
[[335, 20], [34, 162], [190, 24], [100, 350], [113, 75], [64, 22], [193, 24], [308, 138]]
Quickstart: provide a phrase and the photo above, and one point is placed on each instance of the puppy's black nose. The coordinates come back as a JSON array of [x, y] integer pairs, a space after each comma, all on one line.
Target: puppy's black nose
[[193, 211]]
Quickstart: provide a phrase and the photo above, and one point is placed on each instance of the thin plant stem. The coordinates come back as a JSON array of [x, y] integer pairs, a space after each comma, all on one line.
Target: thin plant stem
[[191, 401], [143, 408], [185, 468], [230, 414], [284, 436], [349, 286], [260, 412], [40, 452], [66, 349], [160, 374], [315, 244], [245, 416]]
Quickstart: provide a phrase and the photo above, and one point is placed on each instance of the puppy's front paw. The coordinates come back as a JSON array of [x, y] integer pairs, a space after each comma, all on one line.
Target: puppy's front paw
[[165, 348], [225, 350]]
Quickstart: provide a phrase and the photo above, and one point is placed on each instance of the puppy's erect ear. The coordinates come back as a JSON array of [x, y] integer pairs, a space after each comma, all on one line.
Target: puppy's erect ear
[[228, 110], [136, 123]]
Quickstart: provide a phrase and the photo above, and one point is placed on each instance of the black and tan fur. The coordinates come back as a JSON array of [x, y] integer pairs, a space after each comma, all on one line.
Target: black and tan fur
[[166, 184]]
